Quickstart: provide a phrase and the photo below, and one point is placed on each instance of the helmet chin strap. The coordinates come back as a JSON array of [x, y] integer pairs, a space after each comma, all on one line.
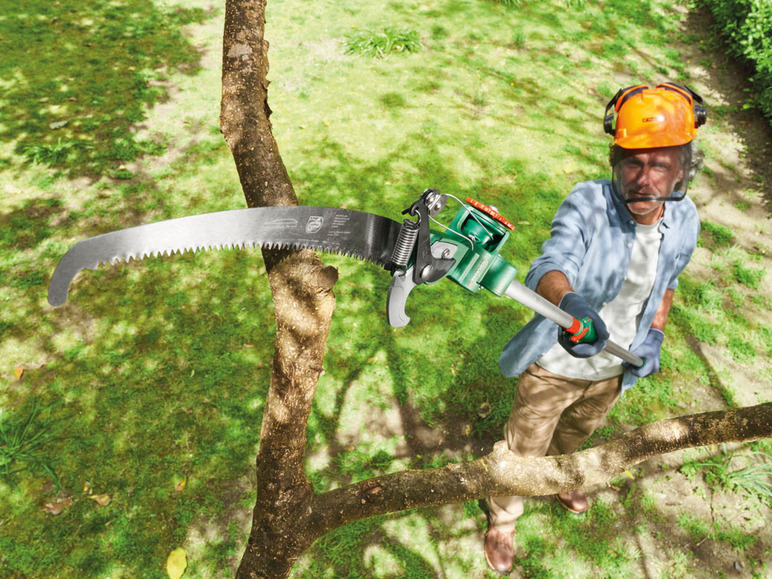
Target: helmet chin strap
[[650, 199]]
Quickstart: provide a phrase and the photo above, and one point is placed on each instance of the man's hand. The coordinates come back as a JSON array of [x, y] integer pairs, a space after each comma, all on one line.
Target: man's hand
[[650, 351], [578, 307]]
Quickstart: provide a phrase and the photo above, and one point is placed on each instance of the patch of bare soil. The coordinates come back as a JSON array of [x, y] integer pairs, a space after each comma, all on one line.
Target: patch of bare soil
[[668, 548], [737, 191]]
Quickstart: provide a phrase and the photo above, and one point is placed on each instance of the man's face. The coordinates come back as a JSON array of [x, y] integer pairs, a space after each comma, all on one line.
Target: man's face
[[649, 173]]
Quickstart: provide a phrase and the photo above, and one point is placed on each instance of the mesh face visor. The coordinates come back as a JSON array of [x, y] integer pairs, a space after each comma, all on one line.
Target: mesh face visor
[[653, 176]]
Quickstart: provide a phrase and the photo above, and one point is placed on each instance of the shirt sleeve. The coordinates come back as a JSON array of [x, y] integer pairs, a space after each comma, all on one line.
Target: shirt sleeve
[[570, 235]]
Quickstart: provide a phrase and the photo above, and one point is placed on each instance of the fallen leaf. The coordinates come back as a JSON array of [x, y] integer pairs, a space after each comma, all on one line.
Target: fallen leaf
[[181, 485], [102, 500], [176, 563], [484, 410], [18, 372], [56, 507], [628, 473]]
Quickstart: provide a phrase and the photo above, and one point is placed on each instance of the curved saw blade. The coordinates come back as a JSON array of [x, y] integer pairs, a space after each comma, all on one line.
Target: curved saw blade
[[352, 233]]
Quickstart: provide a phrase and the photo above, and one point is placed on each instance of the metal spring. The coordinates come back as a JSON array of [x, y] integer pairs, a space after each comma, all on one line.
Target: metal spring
[[403, 249]]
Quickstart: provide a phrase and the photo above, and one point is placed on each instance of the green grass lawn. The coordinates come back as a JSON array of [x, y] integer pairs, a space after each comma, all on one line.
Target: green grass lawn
[[148, 385]]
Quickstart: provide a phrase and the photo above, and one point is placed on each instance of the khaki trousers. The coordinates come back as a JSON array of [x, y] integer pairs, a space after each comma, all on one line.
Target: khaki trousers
[[551, 414]]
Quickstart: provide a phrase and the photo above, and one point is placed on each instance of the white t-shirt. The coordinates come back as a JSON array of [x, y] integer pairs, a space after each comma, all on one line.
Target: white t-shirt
[[620, 314]]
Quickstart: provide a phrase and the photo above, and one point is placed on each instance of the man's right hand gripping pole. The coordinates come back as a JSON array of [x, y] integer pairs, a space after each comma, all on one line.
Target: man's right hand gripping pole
[[588, 335]]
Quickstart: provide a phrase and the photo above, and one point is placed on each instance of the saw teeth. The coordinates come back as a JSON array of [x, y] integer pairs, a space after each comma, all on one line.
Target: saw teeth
[[268, 246]]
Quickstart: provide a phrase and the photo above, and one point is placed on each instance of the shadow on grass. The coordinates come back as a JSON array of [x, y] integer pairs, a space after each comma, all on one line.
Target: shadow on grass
[[168, 388], [79, 77]]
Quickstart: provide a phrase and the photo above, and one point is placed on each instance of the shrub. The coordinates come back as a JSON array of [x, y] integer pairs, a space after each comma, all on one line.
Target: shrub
[[747, 26]]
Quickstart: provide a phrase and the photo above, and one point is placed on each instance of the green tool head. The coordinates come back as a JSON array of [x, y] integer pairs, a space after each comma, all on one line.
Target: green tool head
[[479, 232]]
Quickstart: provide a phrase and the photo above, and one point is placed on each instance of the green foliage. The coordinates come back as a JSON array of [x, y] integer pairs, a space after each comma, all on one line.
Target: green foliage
[[25, 437], [721, 235], [697, 529], [381, 43], [741, 350], [567, 3], [78, 78], [533, 564], [56, 153], [747, 27], [360, 464], [754, 478], [345, 552], [591, 541], [160, 369], [748, 276], [651, 398], [737, 539]]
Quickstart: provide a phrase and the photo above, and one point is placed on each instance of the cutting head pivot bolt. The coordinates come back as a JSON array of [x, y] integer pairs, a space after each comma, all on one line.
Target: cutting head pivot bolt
[[435, 201]]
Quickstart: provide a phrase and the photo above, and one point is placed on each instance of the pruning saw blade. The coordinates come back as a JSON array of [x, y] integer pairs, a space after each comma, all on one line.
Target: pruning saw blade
[[333, 230]]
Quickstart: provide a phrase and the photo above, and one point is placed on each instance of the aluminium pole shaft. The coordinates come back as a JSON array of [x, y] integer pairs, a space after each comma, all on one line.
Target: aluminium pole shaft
[[530, 299]]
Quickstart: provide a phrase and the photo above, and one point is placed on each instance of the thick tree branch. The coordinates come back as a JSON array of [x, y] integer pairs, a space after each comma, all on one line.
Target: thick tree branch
[[244, 110], [501, 473]]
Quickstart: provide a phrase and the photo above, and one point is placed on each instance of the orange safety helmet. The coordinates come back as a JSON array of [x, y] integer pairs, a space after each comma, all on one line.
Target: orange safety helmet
[[665, 116]]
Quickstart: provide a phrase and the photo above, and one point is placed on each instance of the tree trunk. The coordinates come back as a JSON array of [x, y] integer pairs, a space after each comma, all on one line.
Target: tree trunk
[[288, 516], [301, 288]]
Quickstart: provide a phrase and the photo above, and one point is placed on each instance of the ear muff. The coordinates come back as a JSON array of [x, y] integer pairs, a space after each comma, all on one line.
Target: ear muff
[[700, 112], [608, 123]]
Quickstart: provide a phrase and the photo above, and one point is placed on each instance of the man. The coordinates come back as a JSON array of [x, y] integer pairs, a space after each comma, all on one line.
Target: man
[[614, 255]]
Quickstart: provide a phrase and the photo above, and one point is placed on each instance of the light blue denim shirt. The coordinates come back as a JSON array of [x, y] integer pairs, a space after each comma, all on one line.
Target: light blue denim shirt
[[591, 243]]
